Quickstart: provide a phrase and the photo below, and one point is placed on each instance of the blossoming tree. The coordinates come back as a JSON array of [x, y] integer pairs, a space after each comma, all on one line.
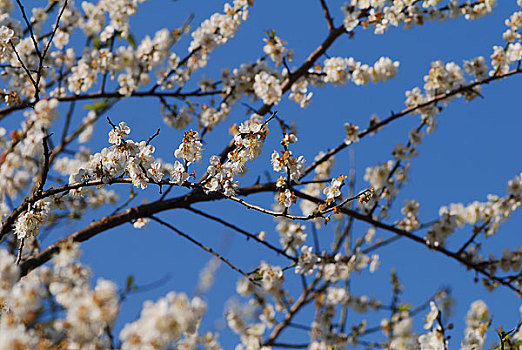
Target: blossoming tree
[[66, 67]]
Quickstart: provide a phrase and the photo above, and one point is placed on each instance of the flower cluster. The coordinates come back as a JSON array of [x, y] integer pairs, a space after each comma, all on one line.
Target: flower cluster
[[439, 231], [173, 318], [340, 267], [410, 211], [490, 214], [248, 139], [477, 321], [6, 37], [502, 58], [336, 70], [276, 50], [292, 235], [215, 31], [190, 149], [251, 334], [89, 313], [268, 88], [378, 175], [315, 188], [399, 330], [307, 262], [352, 133], [135, 160], [221, 176], [300, 94], [450, 79], [284, 161], [28, 224], [433, 340], [383, 14], [333, 190], [339, 70]]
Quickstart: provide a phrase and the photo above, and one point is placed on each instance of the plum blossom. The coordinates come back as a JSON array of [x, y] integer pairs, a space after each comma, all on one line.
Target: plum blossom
[[332, 191], [285, 161], [352, 133], [118, 134], [190, 149], [268, 88], [336, 70], [276, 50]]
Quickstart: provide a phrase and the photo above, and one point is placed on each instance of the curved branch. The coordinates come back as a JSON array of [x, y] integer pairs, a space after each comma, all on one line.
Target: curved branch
[[129, 215], [411, 236], [407, 111], [95, 95]]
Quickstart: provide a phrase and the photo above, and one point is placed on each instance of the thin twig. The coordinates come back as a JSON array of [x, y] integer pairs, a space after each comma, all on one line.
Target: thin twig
[[476, 231], [29, 27], [406, 111], [202, 246], [152, 137], [45, 169], [327, 15], [240, 230], [417, 239], [20, 249], [23, 64], [47, 46], [299, 303], [67, 121], [381, 244]]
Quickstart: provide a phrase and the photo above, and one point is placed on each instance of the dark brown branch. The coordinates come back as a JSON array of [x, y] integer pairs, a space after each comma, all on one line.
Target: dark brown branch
[[198, 195], [476, 231], [293, 77], [153, 136], [20, 251], [45, 169], [129, 215], [414, 238], [303, 300], [96, 95]]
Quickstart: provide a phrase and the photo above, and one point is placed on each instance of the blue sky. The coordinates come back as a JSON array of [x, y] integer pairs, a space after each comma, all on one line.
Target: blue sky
[[474, 151]]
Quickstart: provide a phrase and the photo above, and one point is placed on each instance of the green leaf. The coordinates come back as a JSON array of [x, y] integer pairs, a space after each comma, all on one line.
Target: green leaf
[[97, 43], [97, 105], [404, 307], [76, 216], [132, 40], [130, 282]]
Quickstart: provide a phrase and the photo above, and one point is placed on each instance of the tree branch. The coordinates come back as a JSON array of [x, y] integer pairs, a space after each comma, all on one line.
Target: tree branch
[[202, 246], [327, 16]]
